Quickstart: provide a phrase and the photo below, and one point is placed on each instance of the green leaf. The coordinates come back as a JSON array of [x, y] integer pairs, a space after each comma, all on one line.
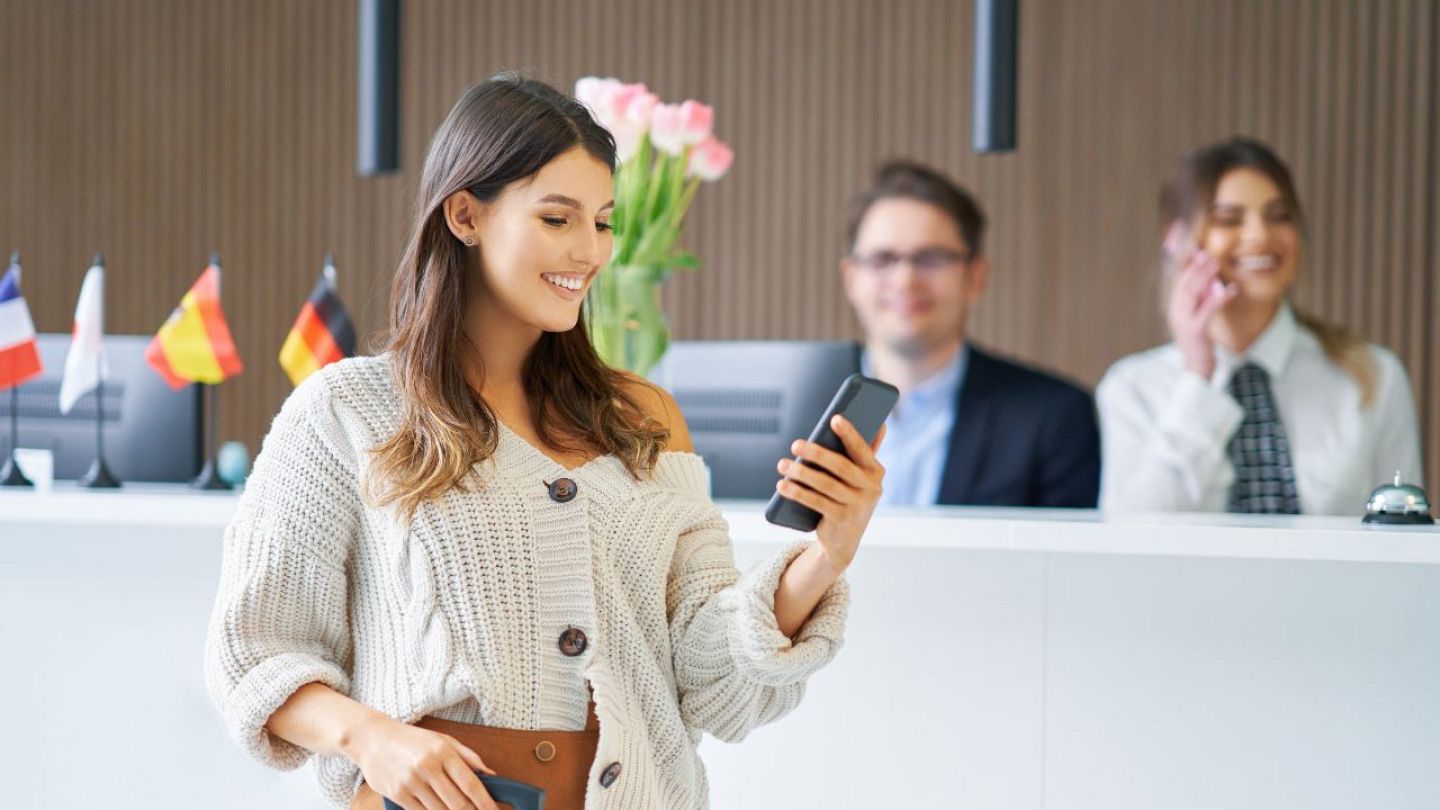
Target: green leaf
[[683, 260]]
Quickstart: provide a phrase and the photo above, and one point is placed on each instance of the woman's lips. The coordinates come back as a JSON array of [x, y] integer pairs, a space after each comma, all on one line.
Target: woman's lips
[[569, 293], [1256, 263]]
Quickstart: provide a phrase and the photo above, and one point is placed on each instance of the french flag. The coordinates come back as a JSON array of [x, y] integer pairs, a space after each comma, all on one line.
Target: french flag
[[19, 356]]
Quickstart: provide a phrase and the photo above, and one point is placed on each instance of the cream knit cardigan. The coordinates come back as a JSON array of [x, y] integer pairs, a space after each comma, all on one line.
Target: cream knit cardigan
[[458, 613]]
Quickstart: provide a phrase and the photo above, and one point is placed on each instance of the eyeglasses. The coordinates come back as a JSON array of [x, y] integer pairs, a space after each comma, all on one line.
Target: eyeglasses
[[928, 261]]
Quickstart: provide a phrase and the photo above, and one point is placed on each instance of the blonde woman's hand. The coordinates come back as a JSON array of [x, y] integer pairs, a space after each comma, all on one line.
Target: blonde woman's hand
[[843, 490], [419, 769], [1196, 295]]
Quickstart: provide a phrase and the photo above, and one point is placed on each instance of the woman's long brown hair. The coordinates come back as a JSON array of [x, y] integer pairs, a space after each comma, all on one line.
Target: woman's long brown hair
[[1187, 197], [499, 132]]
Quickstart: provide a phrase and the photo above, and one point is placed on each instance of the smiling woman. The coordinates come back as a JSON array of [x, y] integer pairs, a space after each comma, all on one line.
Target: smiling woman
[[504, 210], [1255, 407], [484, 549], [531, 235]]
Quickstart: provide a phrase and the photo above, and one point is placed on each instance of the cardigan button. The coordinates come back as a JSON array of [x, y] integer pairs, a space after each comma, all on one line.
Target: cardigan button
[[610, 774], [545, 751], [563, 490], [573, 641]]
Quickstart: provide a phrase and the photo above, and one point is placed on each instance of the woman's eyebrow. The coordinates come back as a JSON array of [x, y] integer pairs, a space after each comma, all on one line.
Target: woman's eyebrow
[[569, 202], [560, 199]]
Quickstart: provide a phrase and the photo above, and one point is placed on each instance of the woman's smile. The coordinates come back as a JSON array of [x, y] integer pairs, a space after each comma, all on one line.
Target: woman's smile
[[570, 286], [1257, 263]]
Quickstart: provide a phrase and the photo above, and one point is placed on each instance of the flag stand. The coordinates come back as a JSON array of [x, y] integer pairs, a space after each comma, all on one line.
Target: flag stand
[[209, 477], [99, 476], [12, 475]]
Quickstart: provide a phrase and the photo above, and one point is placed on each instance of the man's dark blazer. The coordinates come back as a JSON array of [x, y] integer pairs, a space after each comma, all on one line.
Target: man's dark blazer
[[1021, 438]]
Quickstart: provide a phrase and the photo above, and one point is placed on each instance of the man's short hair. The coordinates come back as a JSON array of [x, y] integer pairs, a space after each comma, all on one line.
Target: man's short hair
[[913, 181]]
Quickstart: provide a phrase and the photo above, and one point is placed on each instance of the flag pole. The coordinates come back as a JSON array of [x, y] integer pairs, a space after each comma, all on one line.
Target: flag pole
[[99, 476], [209, 477], [12, 475]]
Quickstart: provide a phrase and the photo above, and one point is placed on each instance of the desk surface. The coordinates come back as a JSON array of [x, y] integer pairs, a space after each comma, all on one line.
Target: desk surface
[[1072, 661], [1302, 538]]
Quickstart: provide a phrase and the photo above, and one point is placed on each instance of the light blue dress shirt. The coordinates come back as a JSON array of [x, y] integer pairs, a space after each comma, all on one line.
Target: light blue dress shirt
[[917, 435]]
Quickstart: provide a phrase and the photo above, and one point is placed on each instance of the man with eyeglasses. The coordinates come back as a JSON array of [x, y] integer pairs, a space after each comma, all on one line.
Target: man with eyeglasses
[[970, 427]]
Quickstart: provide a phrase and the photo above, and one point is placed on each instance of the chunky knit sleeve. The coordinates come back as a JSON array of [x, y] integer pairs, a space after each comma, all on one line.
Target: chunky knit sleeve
[[734, 669], [279, 620]]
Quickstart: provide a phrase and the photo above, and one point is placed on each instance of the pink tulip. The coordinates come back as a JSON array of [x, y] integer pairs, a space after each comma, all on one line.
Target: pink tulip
[[627, 139], [590, 89], [696, 121], [633, 106], [624, 109], [634, 97], [667, 129], [599, 95], [710, 159], [675, 126]]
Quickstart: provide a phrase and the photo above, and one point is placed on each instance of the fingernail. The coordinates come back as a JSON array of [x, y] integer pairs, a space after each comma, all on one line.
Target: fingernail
[[835, 421], [795, 446]]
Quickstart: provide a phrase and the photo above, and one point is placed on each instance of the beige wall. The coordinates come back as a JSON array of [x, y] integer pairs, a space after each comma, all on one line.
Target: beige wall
[[159, 130]]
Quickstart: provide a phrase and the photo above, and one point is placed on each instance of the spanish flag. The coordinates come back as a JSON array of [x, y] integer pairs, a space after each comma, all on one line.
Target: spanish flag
[[194, 343], [322, 334]]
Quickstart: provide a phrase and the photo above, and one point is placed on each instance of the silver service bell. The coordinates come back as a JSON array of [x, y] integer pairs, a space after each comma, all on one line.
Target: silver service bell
[[1398, 502]]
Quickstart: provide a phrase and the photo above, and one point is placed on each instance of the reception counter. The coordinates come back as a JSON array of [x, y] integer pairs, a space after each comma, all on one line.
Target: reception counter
[[994, 659]]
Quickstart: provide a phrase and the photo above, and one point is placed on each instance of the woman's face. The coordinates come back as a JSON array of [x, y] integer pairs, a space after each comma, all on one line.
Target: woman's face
[[1252, 233], [543, 240]]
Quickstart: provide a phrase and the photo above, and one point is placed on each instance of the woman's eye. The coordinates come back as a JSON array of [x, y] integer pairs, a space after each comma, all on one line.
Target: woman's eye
[[604, 226], [553, 221]]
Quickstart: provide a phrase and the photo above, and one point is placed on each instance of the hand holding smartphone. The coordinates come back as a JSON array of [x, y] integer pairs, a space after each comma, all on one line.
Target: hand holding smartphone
[[865, 403]]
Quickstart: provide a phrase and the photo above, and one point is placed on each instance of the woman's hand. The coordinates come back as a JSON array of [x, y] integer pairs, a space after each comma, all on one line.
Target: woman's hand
[[1194, 299], [417, 768], [843, 490]]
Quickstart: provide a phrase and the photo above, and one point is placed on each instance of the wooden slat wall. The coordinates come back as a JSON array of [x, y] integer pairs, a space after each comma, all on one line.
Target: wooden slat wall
[[159, 130]]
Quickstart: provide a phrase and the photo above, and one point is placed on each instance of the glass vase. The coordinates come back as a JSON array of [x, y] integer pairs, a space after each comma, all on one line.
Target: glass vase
[[624, 319]]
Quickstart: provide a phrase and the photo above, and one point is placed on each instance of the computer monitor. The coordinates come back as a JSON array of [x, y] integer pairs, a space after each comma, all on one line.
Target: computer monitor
[[745, 401], [152, 432]]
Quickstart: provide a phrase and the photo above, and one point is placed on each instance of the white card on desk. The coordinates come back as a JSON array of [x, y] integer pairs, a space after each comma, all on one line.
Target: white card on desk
[[38, 465]]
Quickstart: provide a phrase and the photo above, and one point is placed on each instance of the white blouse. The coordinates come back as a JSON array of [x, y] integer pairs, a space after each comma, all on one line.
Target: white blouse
[[1164, 430]]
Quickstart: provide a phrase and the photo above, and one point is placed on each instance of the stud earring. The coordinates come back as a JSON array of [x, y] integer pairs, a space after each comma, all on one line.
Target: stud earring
[[470, 241]]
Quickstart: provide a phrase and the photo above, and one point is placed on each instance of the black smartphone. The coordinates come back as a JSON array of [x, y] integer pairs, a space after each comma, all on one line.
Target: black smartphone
[[865, 402]]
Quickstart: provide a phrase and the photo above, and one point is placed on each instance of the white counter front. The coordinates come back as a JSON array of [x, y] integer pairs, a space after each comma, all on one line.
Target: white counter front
[[994, 659]]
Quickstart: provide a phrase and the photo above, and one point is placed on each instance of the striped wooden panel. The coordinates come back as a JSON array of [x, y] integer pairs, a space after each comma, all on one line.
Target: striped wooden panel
[[159, 130]]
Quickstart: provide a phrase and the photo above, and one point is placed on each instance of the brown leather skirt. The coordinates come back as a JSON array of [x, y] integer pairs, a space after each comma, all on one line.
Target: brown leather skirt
[[558, 761]]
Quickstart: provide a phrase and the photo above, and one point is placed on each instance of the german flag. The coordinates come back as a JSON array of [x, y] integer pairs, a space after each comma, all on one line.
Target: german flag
[[322, 334], [194, 344]]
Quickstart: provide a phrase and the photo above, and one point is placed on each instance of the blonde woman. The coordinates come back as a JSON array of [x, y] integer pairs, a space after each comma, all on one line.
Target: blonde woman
[[1254, 406], [483, 550]]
